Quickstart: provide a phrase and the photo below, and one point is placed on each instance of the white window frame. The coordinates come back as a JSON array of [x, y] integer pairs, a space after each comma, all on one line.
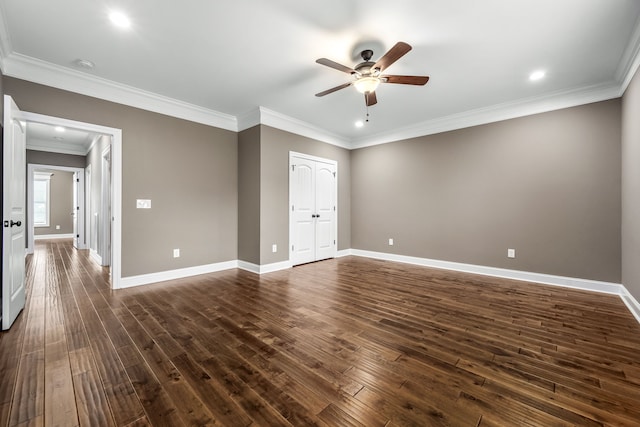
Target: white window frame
[[44, 177]]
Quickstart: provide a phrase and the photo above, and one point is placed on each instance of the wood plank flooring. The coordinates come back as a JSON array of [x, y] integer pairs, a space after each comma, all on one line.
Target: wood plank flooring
[[345, 342]]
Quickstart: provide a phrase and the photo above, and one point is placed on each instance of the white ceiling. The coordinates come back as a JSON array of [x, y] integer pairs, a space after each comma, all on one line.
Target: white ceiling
[[233, 64], [44, 137]]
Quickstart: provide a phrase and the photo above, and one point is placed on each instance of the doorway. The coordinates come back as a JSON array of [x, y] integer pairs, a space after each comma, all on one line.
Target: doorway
[[76, 209], [313, 223], [112, 186]]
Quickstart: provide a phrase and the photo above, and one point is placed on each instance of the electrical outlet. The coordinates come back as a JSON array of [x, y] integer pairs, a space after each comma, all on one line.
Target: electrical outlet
[[176, 253], [57, 227], [274, 248], [390, 242], [511, 253]]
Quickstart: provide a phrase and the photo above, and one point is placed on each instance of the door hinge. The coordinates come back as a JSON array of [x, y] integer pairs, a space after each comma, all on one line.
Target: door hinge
[[77, 179], [334, 208], [334, 242], [78, 236], [293, 168], [292, 208], [334, 174], [291, 248], [77, 208]]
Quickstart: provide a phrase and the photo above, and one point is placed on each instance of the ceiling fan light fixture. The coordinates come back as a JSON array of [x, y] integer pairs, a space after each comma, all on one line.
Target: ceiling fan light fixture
[[367, 84]]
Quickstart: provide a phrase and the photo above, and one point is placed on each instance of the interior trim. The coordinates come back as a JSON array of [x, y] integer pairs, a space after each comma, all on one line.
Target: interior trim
[[546, 279], [181, 273], [37, 71], [52, 236]]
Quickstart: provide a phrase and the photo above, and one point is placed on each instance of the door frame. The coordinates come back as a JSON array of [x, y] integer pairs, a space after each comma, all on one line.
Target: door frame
[[292, 155], [105, 206], [116, 182], [31, 169]]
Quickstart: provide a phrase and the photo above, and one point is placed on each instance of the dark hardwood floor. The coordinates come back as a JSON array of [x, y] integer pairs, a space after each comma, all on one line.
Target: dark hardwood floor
[[345, 342]]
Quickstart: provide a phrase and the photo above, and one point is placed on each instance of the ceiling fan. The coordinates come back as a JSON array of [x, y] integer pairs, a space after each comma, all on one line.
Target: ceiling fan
[[368, 75]]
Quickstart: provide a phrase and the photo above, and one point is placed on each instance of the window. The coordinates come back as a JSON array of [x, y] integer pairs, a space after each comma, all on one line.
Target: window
[[41, 190]]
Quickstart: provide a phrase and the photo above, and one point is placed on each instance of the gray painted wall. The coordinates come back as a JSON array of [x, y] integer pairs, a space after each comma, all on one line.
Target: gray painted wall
[[547, 185], [275, 145], [249, 195], [55, 159], [631, 187], [188, 170], [61, 204]]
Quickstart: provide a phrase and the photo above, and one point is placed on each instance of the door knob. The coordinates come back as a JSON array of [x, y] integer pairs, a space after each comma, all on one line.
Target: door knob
[[313, 215], [17, 223]]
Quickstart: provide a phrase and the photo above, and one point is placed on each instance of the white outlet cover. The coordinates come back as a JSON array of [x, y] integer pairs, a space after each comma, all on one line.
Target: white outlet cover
[[511, 253], [143, 204], [274, 248], [176, 253], [390, 242]]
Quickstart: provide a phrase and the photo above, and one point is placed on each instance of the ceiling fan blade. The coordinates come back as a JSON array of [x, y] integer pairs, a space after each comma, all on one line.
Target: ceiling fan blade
[[333, 89], [332, 64], [395, 53], [406, 80], [370, 98]]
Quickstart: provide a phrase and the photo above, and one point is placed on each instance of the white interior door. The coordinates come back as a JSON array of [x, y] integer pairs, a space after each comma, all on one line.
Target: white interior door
[[303, 211], [313, 195], [13, 213], [325, 197], [75, 210]]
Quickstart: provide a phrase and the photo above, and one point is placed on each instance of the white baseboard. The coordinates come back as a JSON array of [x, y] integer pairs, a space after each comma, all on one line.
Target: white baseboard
[[343, 253], [631, 303], [163, 276], [95, 256], [262, 269], [52, 236], [547, 279]]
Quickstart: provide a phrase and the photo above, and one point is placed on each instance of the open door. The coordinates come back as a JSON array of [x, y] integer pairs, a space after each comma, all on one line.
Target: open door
[[13, 213]]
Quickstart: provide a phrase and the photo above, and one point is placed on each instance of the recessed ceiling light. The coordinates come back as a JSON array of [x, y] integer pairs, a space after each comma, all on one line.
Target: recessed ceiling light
[[84, 63], [59, 129], [536, 75], [119, 19], [359, 123]]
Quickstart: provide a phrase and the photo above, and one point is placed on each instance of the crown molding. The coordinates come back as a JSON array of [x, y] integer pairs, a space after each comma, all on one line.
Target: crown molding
[[495, 113], [289, 124], [630, 60], [37, 71], [5, 39], [249, 119], [31, 69], [264, 116]]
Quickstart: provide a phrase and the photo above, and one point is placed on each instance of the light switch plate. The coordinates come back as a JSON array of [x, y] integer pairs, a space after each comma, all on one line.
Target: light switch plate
[[143, 204]]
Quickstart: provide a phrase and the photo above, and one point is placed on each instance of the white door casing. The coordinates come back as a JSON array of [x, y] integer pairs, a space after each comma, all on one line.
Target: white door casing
[[14, 221], [74, 210], [313, 204], [116, 184]]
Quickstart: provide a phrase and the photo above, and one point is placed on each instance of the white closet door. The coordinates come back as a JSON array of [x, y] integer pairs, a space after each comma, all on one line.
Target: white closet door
[[313, 194], [303, 238], [325, 196]]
